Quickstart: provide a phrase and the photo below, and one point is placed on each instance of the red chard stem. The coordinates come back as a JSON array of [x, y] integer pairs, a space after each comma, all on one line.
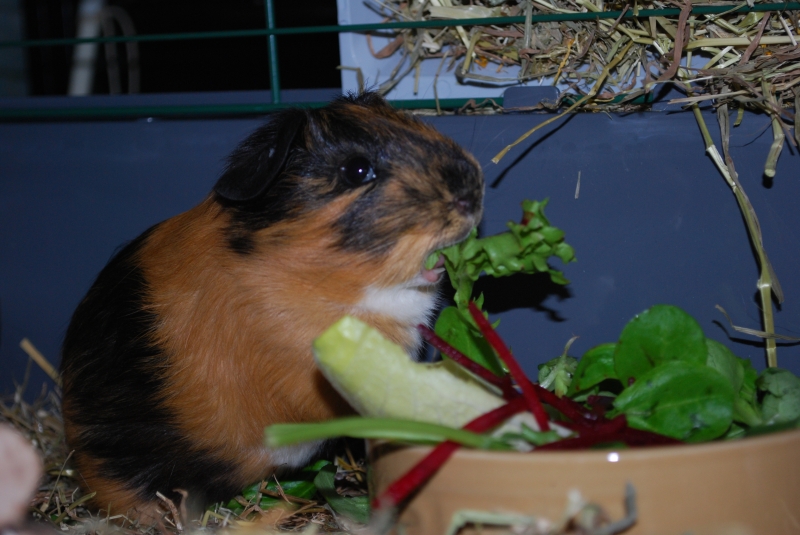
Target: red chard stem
[[459, 358], [571, 409], [399, 490], [528, 392]]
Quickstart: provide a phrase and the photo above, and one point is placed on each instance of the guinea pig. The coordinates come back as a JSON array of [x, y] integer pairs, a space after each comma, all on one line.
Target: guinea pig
[[197, 334]]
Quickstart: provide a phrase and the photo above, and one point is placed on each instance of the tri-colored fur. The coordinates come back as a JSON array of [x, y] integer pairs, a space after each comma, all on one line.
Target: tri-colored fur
[[197, 334]]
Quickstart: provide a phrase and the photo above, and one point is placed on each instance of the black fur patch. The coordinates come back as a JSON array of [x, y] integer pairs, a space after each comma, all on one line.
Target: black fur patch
[[311, 174], [113, 394]]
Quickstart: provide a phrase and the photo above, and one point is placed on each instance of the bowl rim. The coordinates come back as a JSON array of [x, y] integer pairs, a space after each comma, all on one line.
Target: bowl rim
[[636, 454]]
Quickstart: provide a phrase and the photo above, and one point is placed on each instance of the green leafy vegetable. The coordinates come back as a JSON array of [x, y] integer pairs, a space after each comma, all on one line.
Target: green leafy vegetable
[[771, 428], [539, 438], [432, 260], [594, 367], [746, 408], [660, 334], [668, 380], [355, 507], [299, 485], [665, 378], [525, 248], [557, 373], [462, 335], [781, 402], [658, 398], [742, 377], [683, 400], [721, 359]]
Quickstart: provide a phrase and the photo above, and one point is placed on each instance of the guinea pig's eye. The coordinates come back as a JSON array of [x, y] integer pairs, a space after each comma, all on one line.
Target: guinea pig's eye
[[357, 171]]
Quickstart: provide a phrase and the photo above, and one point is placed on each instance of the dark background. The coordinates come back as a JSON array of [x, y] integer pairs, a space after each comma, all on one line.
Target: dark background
[[307, 61]]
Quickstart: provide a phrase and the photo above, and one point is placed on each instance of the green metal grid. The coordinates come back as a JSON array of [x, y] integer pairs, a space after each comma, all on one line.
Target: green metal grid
[[271, 33]]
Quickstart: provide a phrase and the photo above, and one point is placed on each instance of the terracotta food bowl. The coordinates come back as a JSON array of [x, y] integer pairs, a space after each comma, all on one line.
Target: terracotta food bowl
[[749, 486]]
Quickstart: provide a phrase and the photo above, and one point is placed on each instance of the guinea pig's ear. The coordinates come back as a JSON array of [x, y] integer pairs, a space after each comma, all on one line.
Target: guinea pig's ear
[[260, 159]]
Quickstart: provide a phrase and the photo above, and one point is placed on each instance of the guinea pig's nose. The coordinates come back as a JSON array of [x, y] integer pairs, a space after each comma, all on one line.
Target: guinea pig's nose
[[465, 205]]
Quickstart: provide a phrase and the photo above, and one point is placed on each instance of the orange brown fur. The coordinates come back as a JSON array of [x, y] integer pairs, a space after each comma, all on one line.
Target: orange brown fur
[[112, 499]]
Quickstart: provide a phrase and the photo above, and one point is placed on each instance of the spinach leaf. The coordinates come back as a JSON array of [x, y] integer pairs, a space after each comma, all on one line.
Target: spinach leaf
[[300, 485], [356, 507], [683, 400], [745, 407], [721, 359], [594, 367], [660, 334], [742, 377], [452, 326]]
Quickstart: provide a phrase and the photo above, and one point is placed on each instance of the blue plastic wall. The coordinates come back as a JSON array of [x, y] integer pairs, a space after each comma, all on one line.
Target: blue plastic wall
[[654, 222]]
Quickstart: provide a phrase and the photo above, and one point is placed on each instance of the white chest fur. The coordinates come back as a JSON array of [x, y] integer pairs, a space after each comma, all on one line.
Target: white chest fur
[[408, 304]]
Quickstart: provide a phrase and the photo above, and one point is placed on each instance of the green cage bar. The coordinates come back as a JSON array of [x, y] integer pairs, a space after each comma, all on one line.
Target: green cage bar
[[271, 33]]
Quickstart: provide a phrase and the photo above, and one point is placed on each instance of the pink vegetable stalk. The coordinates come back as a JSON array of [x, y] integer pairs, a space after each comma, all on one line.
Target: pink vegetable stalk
[[592, 426], [528, 392], [400, 489], [503, 383], [572, 410]]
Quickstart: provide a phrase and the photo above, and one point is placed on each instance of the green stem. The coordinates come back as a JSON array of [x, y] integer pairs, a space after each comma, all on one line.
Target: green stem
[[767, 282], [384, 428], [765, 291], [777, 133]]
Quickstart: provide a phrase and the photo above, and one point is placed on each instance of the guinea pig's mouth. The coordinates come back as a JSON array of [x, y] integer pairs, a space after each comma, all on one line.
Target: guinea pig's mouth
[[434, 274], [430, 276], [427, 277]]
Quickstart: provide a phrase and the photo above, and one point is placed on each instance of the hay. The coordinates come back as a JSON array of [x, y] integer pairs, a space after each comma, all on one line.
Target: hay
[[743, 59], [748, 60], [59, 502]]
